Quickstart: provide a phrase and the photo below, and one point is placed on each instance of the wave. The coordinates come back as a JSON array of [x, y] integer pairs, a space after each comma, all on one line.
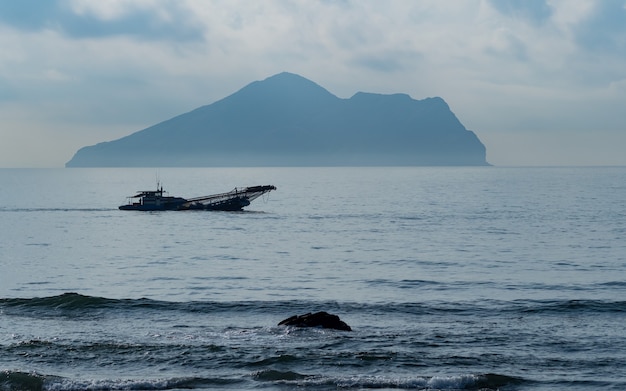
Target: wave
[[68, 300], [572, 306], [17, 380], [23, 381], [462, 382], [75, 302]]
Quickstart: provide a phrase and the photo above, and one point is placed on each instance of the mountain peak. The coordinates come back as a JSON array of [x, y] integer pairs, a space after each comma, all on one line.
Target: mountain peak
[[287, 76], [287, 85]]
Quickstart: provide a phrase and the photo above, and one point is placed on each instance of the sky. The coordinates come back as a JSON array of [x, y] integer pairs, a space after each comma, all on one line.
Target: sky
[[540, 82]]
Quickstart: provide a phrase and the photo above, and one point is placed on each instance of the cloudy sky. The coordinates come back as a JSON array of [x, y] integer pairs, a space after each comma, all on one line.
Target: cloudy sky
[[541, 82]]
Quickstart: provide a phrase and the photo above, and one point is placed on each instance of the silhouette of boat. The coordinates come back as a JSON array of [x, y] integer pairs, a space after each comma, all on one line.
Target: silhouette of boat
[[234, 200]]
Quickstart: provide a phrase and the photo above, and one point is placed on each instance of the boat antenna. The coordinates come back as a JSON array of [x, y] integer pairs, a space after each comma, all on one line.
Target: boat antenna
[[158, 181]]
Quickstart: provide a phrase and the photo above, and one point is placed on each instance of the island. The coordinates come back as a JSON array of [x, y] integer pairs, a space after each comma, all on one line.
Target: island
[[288, 120]]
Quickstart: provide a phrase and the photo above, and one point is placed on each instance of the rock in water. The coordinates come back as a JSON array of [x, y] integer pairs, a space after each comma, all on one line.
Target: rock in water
[[318, 319]]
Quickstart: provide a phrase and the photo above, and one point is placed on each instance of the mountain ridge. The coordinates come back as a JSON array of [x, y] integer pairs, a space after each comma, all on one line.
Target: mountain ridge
[[287, 119]]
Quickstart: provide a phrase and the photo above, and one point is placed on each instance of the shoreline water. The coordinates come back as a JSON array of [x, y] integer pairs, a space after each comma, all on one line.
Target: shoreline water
[[475, 279]]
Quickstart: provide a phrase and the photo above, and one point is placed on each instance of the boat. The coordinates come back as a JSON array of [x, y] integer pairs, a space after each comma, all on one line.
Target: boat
[[234, 200]]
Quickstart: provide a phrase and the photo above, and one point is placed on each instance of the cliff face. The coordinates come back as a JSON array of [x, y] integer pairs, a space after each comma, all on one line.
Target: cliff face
[[287, 120]]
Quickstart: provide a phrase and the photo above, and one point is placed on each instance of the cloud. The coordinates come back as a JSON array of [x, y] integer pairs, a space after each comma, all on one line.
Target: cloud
[[86, 19], [535, 11], [388, 61], [7, 91], [29, 14], [604, 29]]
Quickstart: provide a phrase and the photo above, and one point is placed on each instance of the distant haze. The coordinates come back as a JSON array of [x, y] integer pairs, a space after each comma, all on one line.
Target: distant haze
[[288, 120], [540, 82]]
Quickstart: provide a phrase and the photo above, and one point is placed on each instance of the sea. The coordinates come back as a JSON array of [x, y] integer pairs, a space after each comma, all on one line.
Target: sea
[[451, 278]]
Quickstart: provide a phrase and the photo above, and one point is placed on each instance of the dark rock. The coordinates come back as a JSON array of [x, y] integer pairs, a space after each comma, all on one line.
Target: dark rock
[[318, 319]]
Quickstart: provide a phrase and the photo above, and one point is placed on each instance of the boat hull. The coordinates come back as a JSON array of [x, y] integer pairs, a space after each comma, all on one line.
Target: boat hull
[[156, 203], [231, 205]]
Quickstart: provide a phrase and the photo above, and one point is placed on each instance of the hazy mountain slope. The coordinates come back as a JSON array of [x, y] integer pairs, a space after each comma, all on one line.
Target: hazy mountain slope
[[289, 120]]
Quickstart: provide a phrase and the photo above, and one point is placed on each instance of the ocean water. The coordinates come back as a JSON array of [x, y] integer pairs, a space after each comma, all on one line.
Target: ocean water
[[487, 278]]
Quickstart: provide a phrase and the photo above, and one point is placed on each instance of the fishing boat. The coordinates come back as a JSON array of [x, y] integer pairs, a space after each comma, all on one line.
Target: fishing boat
[[234, 200]]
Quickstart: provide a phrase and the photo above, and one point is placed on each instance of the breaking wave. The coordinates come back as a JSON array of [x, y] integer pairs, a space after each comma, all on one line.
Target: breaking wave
[[16, 380]]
